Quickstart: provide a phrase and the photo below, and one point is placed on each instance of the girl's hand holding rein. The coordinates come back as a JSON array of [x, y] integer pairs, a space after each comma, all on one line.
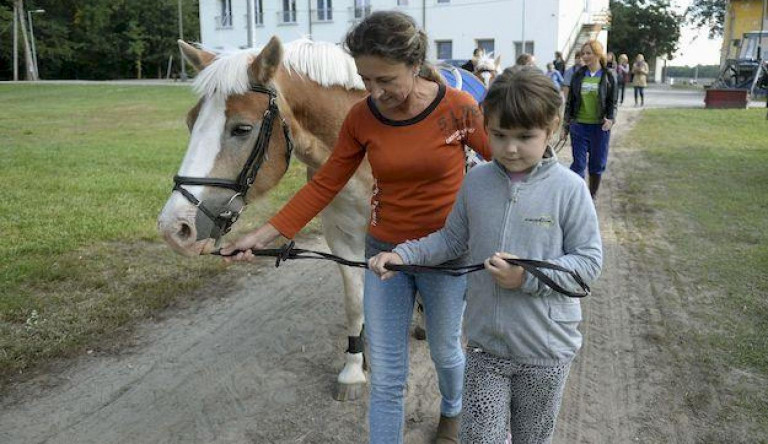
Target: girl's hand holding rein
[[607, 124], [377, 264], [506, 275], [256, 239]]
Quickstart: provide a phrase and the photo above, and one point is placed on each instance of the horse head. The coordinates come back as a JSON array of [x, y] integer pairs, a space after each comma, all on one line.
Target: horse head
[[239, 146], [486, 68]]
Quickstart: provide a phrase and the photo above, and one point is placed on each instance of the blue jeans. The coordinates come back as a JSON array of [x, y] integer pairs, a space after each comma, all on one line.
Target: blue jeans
[[388, 309], [589, 140]]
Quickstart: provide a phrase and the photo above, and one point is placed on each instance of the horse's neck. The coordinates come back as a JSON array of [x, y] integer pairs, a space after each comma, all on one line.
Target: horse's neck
[[316, 114]]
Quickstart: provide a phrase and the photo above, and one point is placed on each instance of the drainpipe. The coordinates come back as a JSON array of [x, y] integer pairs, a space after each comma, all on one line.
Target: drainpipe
[[309, 8], [424, 15], [250, 17]]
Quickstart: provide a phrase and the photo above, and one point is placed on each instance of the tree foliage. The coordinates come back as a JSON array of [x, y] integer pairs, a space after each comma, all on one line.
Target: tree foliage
[[648, 27], [102, 39], [709, 14]]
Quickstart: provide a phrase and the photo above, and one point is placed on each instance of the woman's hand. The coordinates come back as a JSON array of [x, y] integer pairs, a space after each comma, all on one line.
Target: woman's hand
[[377, 264], [256, 239], [506, 275], [607, 124]]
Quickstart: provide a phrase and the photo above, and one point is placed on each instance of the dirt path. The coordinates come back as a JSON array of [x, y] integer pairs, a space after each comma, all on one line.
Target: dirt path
[[257, 365]]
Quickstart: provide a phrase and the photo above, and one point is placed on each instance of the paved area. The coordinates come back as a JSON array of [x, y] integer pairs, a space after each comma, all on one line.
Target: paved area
[[664, 96]]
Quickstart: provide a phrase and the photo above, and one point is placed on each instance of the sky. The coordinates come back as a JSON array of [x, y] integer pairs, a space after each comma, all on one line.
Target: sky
[[695, 47]]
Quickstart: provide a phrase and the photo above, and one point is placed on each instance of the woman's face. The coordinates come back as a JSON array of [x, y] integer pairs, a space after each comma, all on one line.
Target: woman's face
[[388, 81], [587, 55]]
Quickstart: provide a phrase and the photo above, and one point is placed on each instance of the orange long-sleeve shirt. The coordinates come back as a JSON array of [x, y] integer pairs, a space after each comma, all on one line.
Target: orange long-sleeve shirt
[[417, 165]]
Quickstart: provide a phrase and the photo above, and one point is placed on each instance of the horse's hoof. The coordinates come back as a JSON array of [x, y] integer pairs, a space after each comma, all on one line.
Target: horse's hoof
[[419, 333], [348, 392]]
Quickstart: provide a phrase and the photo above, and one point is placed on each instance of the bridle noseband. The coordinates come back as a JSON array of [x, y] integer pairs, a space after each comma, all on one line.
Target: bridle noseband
[[227, 216]]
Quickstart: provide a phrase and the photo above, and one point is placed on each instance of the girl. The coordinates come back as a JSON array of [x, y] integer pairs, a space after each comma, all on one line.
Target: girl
[[640, 78], [590, 111], [521, 335], [622, 75], [413, 131]]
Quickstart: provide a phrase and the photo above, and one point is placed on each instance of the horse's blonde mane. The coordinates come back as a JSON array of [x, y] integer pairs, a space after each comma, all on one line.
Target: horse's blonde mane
[[487, 62], [321, 62]]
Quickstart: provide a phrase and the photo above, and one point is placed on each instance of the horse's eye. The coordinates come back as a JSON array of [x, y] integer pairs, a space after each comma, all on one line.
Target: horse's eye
[[241, 130]]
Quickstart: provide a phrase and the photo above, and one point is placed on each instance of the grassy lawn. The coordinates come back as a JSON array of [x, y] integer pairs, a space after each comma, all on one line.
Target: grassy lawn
[[86, 170], [701, 182]]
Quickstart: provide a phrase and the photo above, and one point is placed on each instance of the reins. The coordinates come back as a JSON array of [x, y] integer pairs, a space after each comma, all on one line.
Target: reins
[[532, 266]]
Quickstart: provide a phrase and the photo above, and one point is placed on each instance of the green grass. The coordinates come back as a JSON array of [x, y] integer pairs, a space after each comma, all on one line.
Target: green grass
[[86, 171], [701, 181]]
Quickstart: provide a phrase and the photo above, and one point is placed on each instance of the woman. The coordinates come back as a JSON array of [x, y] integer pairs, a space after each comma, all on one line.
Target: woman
[[640, 78], [590, 111], [412, 128], [622, 75]]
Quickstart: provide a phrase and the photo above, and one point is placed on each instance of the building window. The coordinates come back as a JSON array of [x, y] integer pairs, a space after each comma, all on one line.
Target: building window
[[258, 12], [519, 48], [288, 14], [402, 2], [486, 45], [225, 19], [443, 1], [361, 10], [324, 11], [444, 49]]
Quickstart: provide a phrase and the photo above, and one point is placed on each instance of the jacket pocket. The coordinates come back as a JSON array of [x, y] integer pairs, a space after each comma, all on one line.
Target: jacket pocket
[[564, 335]]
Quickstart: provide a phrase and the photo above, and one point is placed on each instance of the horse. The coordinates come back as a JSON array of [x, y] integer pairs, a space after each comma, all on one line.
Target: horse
[[487, 68], [307, 88]]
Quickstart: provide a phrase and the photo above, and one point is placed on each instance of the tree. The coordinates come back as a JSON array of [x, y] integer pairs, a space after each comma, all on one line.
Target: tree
[[648, 27], [708, 13]]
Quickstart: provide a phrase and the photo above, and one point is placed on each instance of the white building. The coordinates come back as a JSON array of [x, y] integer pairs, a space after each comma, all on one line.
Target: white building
[[455, 27]]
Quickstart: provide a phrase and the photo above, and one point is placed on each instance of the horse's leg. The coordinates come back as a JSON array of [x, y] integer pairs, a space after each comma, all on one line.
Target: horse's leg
[[349, 243]]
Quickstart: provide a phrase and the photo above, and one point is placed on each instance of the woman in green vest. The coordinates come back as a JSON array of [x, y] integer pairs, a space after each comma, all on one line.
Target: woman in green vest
[[590, 112]]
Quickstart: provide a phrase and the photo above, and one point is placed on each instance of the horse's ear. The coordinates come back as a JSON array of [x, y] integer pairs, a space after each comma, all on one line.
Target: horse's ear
[[265, 65], [197, 57], [498, 62]]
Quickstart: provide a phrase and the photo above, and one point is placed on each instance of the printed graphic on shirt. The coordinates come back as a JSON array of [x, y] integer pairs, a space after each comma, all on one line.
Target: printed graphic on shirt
[[375, 203], [458, 125], [542, 221], [589, 88]]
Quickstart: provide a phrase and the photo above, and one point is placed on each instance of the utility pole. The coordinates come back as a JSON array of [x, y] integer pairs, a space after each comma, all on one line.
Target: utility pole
[[19, 6], [15, 44], [32, 39], [181, 37]]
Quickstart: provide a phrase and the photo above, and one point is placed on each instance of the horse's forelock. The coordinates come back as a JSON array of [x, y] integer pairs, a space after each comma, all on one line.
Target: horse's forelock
[[226, 75]]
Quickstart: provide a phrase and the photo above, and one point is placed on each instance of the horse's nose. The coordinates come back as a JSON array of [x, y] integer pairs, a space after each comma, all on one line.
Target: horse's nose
[[180, 235]]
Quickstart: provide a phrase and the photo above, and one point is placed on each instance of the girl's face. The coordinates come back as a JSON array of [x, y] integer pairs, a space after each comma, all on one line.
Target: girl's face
[[517, 149], [389, 82]]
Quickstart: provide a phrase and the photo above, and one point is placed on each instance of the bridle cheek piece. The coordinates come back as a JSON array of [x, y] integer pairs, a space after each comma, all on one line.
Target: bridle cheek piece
[[223, 218]]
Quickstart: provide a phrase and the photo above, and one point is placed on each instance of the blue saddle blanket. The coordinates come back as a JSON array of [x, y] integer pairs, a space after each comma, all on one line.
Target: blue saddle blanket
[[462, 79]]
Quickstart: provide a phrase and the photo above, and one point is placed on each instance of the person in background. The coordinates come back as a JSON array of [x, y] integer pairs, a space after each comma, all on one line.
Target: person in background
[[555, 76], [477, 53], [525, 59], [610, 61], [412, 129], [559, 62], [622, 75], [640, 78], [590, 111], [569, 72], [521, 335]]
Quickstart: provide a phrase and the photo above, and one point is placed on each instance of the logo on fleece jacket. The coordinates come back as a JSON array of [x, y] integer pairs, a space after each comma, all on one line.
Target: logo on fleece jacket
[[543, 221]]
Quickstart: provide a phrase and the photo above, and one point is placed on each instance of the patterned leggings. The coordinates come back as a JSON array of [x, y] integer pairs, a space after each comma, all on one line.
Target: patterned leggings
[[500, 395]]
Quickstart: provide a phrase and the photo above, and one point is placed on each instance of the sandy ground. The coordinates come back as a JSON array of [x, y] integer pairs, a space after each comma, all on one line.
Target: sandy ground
[[257, 364]]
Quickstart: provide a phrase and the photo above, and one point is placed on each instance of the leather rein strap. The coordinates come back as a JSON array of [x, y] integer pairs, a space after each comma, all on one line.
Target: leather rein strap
[[530, 265]]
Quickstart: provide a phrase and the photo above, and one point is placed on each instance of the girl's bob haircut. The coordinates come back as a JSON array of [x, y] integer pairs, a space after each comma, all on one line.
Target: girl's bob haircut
[[523, 97]]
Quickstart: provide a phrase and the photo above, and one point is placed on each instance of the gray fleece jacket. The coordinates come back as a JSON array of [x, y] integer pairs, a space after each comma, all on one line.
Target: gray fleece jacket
[[547, 216]]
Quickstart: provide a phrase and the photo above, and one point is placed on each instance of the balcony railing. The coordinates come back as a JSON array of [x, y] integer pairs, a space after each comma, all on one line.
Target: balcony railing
[[223, 21], [286, 17], [259, 18], [358, 13], [322, 15]]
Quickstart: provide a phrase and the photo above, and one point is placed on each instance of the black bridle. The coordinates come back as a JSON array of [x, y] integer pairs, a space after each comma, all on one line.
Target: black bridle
[[224, 217]]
